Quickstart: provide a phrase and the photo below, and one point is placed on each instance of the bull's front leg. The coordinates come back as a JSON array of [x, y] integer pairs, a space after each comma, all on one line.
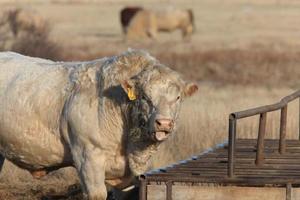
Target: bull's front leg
[[90, 164]]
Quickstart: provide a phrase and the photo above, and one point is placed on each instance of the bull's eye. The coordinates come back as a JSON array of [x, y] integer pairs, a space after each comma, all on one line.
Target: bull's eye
[[177, 98], [142, 122]]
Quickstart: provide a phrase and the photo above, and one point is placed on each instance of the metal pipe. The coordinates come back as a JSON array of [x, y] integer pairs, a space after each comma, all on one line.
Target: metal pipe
[[231, 145], [267, 108], [169, 190], [288, 191], [260, 141], [143, 188], [258, 110], [283, 119]]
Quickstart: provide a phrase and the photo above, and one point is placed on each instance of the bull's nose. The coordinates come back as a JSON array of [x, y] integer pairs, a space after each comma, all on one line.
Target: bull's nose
[[164, 124]]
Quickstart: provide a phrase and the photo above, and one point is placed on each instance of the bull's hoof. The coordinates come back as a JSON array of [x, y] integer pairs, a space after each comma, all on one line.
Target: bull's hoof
[[38, 174]]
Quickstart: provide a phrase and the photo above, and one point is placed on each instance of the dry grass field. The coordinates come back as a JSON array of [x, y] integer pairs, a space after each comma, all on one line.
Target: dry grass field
[[243, 54]]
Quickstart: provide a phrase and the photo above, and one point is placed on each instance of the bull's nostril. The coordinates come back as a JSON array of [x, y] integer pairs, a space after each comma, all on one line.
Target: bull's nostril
[[158, 122], [165, 124]]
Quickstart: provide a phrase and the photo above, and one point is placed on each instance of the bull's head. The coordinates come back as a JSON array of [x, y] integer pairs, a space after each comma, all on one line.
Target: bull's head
[[156, 94]]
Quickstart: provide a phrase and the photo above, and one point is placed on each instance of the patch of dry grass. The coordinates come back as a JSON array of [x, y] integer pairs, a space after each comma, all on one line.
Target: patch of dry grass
[[27, 38], [257, 65], [37, 43]]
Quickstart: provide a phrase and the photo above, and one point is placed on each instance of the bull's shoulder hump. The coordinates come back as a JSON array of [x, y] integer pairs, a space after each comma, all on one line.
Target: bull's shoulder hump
[[9, 55]]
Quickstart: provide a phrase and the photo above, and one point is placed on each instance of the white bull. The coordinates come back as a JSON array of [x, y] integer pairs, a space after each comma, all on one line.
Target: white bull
[[104, 117]]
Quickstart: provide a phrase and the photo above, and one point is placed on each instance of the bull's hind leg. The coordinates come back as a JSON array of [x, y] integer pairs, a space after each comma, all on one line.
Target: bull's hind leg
[[1, 162]]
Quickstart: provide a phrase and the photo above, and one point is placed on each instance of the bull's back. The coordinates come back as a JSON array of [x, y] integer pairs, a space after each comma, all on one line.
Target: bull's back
[[32, 95], [170, 19]]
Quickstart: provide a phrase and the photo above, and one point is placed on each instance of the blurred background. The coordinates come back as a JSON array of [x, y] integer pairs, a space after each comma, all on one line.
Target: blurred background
[[242, 53]]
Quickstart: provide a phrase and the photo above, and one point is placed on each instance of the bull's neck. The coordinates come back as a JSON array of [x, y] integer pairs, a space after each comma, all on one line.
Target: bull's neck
[[139, 155], [140, 147], [115, 104]]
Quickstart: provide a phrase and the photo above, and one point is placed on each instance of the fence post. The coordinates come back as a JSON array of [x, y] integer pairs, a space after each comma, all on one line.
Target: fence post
[[283, 118], [288, 191], [299, 119], [169, 190], [143, 189], [231, 145], [261, 137]]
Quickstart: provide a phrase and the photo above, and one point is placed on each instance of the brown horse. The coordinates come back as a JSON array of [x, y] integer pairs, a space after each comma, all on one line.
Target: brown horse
[[147, 23]]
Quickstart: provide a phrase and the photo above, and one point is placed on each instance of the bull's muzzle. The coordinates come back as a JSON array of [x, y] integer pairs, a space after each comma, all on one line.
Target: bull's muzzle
[[163, 128], [164, 124]]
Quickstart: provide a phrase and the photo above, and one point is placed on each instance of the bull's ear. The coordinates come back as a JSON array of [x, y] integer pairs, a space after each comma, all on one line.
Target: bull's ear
[[129, 87], [190, 89]]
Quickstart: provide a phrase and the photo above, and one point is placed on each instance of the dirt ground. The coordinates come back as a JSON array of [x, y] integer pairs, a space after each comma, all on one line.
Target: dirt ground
[[91, 29]]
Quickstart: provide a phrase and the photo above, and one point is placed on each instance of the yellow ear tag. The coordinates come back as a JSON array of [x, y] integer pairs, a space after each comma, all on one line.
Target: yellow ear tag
[[131, 94]]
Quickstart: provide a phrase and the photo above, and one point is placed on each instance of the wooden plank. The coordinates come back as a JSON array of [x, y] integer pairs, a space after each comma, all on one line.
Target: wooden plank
[[239, 166], [238, 181], [220, 172], [245, 163], [249, 161], [282, 170], [268, 141], [241, 156], [253, 149], [250, 150]]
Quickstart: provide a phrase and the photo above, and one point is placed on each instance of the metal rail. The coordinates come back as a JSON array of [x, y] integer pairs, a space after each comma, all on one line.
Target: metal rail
[[262, 111]]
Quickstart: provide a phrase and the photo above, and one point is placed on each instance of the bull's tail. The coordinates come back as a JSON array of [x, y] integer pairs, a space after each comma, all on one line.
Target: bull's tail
[[191, 15], [1, 161]]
